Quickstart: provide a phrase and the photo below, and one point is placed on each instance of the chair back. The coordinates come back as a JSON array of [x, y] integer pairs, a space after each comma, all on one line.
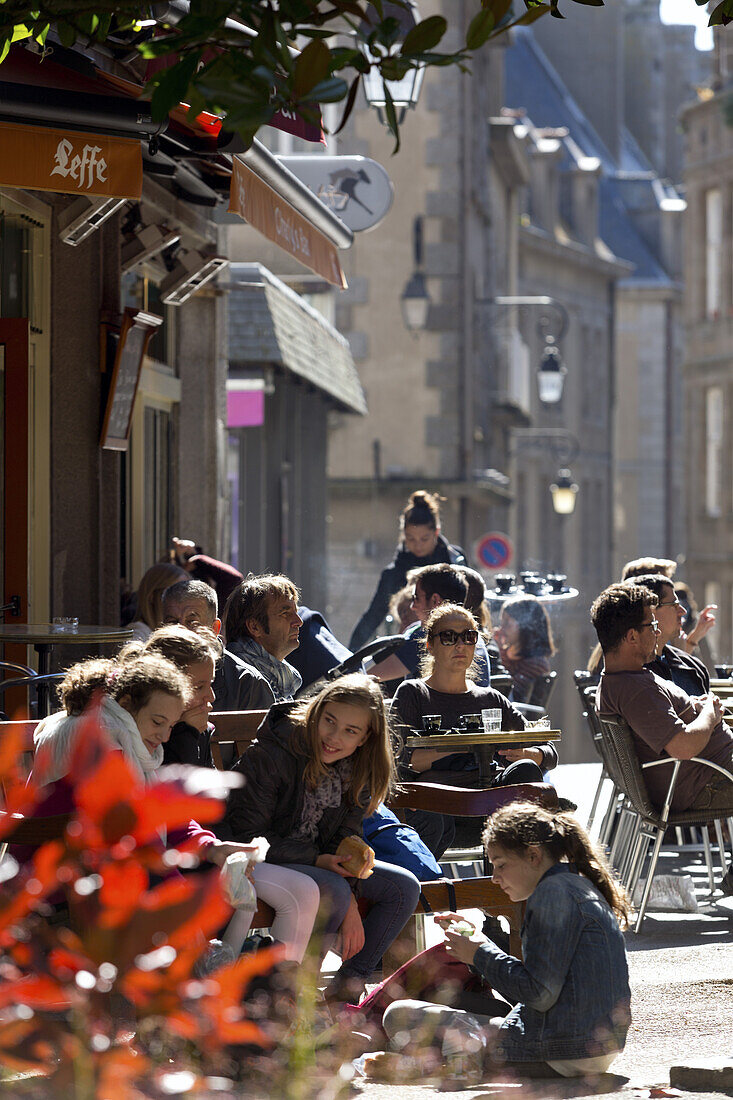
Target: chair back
[[237, 728], [622, 764], [542, 688], [467, 802], [501, 682]]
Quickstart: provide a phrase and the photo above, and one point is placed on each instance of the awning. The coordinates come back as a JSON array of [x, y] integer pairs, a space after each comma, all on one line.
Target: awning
[[265, 210], [271, 325]]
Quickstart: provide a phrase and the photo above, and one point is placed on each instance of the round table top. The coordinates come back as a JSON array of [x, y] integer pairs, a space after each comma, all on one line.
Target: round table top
[[63, 635], [465, 739]]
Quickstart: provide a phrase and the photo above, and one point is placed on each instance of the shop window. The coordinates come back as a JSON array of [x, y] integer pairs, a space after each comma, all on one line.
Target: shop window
[[21, 281], [157, 516]]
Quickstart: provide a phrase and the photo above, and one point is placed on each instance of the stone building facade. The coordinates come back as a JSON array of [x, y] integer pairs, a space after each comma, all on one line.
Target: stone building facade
[[709, 330]]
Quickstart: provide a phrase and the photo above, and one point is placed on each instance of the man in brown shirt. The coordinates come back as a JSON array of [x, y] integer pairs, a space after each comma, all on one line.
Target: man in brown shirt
[[664, 719]]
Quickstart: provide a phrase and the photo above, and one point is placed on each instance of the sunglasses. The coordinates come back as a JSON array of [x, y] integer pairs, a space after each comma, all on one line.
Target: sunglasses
[[452, 637]]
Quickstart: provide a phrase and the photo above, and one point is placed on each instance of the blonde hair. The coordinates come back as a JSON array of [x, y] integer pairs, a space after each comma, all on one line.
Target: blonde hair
[[149, 607], [432, 626], [522, 825], [373, 775]]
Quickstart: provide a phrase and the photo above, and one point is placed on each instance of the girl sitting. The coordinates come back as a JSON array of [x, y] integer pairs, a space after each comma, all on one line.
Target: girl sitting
[[446, 688], [294, 897], [570, 993], [315, 771]]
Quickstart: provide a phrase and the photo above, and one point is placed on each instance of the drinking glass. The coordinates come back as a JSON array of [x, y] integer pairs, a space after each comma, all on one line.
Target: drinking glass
[[491, 719]]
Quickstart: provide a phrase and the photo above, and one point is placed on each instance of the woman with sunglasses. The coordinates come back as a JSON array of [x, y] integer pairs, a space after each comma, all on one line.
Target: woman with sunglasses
[[446, 688]]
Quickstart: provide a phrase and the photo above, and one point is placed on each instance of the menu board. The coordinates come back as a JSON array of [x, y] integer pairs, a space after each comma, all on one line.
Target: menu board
[[131, 344]]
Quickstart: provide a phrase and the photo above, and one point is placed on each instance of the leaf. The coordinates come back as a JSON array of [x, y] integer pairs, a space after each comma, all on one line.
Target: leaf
[[425, 35], [391, 115], [66, 33], [523, 20], [350, 101], [722, 15], [329, 91], [172, 85], [590, 3], [312, 67], [479, 29]]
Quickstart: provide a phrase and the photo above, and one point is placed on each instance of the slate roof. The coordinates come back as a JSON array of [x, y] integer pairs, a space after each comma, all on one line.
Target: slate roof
[[533, 84], [270, 324]]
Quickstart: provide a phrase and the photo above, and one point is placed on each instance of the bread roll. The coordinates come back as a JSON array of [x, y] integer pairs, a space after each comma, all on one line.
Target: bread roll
[[359, 859]]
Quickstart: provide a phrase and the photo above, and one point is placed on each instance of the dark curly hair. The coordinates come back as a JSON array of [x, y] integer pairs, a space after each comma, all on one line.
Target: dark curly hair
[[618, 609]]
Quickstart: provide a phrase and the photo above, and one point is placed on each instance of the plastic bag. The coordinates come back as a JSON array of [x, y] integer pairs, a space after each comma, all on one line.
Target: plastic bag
[[237, 888], [670, 893]]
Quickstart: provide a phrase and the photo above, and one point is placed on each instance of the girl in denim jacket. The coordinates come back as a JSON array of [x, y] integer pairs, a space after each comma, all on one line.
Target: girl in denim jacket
[[570, 992]]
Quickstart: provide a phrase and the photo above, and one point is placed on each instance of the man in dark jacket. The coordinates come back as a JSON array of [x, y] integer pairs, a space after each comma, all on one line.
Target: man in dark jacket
[[237, 685], [394, 577]]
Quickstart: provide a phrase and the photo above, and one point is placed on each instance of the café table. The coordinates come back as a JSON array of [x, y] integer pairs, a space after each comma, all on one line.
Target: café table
[[44, 636], [483, 745]]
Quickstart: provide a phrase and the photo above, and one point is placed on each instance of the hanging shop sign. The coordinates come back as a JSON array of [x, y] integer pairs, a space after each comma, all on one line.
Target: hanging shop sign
[[260, 205], [71, 162], [357, 189]]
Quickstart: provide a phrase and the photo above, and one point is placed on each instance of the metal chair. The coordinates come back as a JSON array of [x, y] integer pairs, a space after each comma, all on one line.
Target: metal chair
[[586, 683], [542, 689], [647, 823], [501, 682], [40, 685]]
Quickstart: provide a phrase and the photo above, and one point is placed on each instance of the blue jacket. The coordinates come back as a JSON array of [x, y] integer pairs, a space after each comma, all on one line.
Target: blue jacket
[[571, 993]]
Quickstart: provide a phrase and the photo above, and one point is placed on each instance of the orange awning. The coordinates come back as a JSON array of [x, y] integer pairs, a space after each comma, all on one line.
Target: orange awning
[[261, 206], [70, 162]]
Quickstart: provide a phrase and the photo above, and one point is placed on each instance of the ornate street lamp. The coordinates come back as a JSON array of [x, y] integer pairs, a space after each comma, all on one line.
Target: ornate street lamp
[[551, 374]]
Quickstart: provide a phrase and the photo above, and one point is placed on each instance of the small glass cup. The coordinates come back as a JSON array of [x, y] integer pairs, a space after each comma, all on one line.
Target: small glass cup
[[431, 723], [491, 719], [65, 624]]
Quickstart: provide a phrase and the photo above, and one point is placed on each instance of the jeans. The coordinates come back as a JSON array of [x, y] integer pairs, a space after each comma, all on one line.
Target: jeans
[[393, 895]]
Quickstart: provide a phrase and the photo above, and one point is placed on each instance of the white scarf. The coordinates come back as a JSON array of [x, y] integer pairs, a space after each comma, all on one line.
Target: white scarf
[[55, 737]]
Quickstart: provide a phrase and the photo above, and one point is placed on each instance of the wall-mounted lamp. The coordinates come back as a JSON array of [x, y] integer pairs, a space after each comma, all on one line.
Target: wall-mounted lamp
[[551, 371], [565, 448], [415, 300]]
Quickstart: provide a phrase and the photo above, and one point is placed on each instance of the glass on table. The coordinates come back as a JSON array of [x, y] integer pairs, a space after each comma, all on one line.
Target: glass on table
[[65, 624], [491, 718]]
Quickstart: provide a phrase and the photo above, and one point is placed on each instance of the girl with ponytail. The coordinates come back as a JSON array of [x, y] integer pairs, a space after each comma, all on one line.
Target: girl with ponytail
[[420, 543], [568, 1009]]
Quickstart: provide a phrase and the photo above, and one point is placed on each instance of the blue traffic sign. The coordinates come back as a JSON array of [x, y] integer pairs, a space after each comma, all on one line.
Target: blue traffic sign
[[494, 551]]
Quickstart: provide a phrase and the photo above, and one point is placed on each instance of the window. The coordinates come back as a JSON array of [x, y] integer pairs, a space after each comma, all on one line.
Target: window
[[713, 449], [713, 250]]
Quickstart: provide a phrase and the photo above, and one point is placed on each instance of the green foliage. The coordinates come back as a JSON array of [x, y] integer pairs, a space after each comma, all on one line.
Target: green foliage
[[238, 57]]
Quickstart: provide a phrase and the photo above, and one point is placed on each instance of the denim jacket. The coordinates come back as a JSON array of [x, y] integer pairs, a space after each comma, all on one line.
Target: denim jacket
[[571, 993]]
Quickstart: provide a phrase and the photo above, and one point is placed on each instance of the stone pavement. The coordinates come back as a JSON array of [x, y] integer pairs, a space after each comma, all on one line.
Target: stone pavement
[[681, 972]]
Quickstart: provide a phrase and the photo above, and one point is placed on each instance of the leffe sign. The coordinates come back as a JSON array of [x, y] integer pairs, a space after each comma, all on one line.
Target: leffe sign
[[357, 189], [70, 161]]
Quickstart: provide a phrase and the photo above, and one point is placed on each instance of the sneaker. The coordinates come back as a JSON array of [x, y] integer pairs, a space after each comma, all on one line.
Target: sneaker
[[726, 884]]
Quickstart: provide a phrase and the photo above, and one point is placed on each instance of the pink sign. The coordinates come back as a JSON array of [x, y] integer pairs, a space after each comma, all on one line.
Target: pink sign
[[245, 408]]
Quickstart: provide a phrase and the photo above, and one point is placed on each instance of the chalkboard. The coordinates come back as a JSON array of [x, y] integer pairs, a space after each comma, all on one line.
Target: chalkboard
[[135, 332]]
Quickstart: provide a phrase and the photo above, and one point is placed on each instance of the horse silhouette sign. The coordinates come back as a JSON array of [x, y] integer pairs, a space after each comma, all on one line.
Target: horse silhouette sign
[[357, 189]]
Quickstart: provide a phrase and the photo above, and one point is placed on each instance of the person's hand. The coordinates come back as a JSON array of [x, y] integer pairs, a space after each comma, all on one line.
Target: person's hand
[[333, 863], [219, 851], [534, 754], [443, 920], [351, 933], [705, 623], [463, 947]]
